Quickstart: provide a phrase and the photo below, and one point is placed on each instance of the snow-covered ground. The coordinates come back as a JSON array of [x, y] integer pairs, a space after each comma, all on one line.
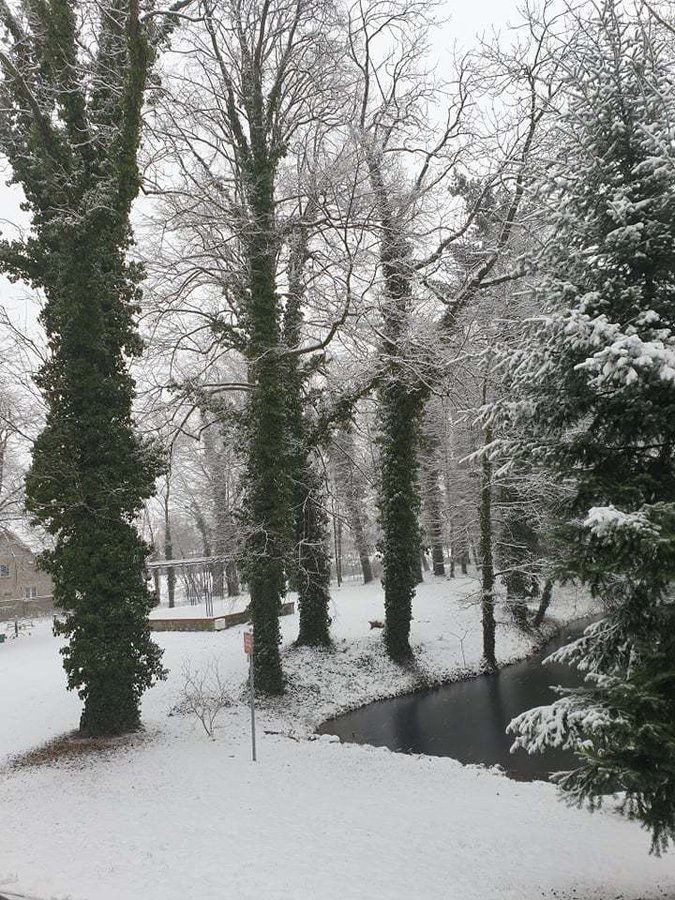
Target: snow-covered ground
[[176, 815]]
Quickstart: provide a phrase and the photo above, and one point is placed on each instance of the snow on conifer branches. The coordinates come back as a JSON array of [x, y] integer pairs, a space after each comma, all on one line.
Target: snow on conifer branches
[[592, 405]]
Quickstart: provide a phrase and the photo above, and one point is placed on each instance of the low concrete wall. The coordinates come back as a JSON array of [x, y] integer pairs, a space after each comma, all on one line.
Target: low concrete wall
[[26, 609], [216, 623]]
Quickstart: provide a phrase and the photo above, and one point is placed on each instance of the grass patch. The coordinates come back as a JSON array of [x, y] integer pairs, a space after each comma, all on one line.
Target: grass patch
[[73, 747]]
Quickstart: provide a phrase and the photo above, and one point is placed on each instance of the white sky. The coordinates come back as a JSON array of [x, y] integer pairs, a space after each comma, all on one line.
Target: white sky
[[470, 17], [466, 19]]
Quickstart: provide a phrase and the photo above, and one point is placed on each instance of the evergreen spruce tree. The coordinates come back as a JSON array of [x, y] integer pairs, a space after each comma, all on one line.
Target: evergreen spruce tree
[[596, 392], [70, 126]]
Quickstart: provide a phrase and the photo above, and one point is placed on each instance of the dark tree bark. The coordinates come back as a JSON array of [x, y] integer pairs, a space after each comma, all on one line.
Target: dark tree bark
[[432, 505], [544, 603], [434, 513], [399, 421], [350, 485], [168, 552], [249, 58], [313, 566], [71, 129], [232, 578], [310, 558], [487, 563], [337, 541]]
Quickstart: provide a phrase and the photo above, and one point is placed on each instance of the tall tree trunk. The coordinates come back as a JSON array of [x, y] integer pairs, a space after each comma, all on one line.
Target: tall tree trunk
[[168, 552], [518, 551], [337, 541], [400, 410], [74, 150], [350, 484], [3, 454], [487, 563], [268, 493], [434, 516], [399, 420], [202, 528], [453, 555], [232, 578], [309, 562], [221, 544], [431, 490], [544, 603], [361, 543], [157, 586], [313, 566]]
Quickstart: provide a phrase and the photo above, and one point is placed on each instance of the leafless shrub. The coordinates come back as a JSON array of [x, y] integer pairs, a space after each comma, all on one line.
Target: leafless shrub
[[204, 694]]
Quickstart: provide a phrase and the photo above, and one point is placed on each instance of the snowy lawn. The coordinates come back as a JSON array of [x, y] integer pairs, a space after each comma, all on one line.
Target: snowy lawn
[[176, 815]]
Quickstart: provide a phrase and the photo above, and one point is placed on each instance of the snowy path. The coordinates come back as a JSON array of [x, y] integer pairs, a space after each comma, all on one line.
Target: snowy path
[[180, 816]]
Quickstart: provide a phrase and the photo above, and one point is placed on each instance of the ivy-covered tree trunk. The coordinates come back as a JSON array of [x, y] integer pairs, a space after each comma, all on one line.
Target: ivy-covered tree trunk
[[71, 131], [258, 63], [268, 495], [313, 563], [400, 405], [310, 566], [399, 422], [487, 562]]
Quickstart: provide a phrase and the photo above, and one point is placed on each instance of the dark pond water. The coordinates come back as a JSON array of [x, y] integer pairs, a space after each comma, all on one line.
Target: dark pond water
[[466, 720]]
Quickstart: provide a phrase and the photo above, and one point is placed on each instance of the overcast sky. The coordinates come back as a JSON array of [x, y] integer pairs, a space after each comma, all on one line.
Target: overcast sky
[[466, 19]]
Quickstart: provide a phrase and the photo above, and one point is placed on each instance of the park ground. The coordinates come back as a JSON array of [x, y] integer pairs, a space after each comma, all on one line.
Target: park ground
[[173, 814]]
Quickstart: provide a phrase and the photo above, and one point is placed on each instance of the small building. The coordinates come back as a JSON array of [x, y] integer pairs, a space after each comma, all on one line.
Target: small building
[[24, 589]]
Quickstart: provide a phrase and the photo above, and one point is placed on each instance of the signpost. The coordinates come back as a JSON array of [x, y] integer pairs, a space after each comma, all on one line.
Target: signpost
[[248, 650]]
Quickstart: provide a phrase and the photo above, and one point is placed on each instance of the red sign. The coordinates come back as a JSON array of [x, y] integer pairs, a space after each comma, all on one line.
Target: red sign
[[248, 643]]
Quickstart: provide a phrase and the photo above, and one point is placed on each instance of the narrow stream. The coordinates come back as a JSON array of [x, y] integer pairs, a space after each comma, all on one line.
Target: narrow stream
[[466, 720]]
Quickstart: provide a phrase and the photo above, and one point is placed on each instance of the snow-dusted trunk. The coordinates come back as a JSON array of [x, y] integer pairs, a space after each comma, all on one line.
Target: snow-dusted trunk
[[432, 502], [399, 421], [486, 558], [544, 603], [309, 562], [349, 484], [3, 454], [360, 540], [268, 490], [337, 548], [168, 550]]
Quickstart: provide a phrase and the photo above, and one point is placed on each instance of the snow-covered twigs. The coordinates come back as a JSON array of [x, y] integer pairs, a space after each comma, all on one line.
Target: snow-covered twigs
[[204, 694]]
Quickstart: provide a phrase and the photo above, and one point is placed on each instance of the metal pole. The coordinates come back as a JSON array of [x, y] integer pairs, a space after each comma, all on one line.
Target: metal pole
[[251, 682]]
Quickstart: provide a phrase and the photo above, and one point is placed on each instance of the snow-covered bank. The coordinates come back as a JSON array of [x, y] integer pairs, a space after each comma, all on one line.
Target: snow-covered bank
[[180, 816], [446, 637]]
